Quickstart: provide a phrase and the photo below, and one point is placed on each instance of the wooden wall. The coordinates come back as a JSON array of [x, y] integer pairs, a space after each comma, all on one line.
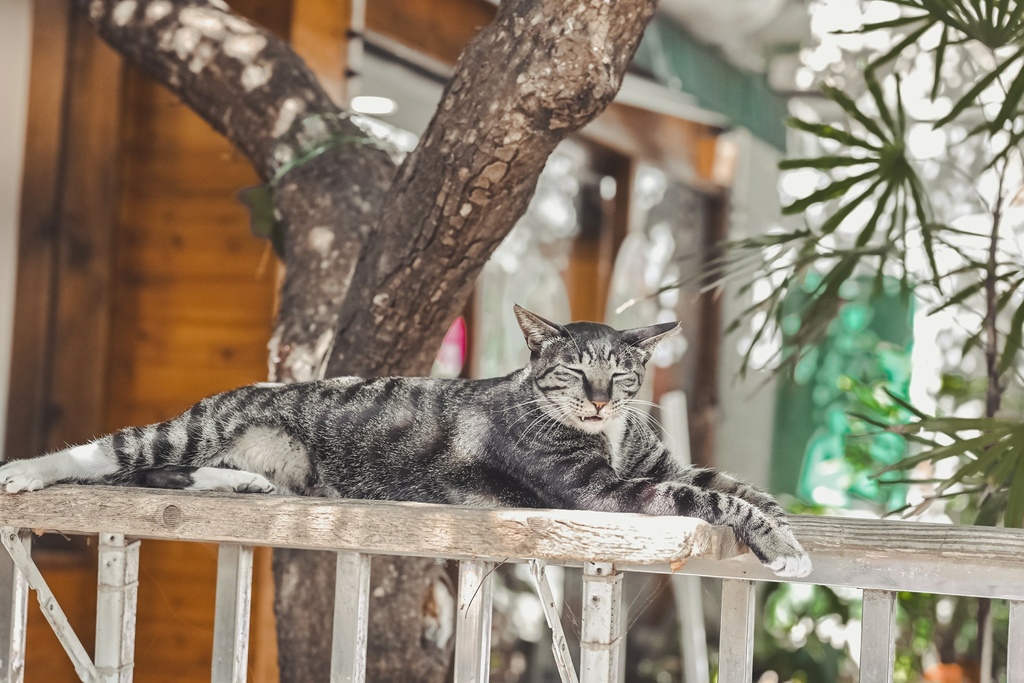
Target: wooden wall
[[140, 290]]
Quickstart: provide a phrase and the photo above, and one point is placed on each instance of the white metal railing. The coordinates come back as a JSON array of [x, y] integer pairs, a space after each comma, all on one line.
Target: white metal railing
[[881, 557]]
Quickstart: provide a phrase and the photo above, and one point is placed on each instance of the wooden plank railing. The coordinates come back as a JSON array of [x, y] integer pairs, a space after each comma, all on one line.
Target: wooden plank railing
[[879, 556]]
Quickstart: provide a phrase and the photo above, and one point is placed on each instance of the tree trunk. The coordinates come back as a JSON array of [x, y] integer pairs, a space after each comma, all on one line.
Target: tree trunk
[[379, 262]]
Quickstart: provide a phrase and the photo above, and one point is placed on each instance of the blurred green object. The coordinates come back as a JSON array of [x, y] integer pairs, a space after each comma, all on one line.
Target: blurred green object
[[865, 351]]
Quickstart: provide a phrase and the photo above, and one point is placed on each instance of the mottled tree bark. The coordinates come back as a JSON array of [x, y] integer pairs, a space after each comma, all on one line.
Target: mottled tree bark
[[378, 262]]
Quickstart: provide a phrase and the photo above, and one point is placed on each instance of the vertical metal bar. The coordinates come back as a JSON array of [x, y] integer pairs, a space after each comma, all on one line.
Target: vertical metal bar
[[231, 620], [601, 628], [116, 599], [1015, 644], [878, 637], [559, 645], [736, 642], [473, 632], [13, 611], [693, 642], [351, 614]]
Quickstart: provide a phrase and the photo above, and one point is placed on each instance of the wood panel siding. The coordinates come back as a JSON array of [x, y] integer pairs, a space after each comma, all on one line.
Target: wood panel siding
[[68, 208], [439, 28], [193, 302]]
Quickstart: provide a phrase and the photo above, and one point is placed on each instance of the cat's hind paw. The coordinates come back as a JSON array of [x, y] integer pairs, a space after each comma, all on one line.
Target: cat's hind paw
[[20, 476], [257, 484]]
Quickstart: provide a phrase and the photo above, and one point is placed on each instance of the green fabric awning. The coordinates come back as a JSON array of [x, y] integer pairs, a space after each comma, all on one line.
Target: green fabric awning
[[678, 61]]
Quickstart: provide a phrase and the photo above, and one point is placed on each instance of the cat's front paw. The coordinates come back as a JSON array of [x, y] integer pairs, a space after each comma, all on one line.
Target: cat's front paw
[[21, 475], [783, 554]]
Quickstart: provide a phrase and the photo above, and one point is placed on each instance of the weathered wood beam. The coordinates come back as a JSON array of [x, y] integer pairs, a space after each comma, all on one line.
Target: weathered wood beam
[[374, 527]]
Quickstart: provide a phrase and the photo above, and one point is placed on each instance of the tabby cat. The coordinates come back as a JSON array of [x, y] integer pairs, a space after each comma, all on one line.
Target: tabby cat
[[559, 433]]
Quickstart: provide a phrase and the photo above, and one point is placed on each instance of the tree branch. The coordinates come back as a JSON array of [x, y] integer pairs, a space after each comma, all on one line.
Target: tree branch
[[242, 79], [540, 71]]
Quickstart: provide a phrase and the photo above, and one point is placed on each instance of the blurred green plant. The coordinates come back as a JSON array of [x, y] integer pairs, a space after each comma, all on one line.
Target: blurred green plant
[[876, 215]]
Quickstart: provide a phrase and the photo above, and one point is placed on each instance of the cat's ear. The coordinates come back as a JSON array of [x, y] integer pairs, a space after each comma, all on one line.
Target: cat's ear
[[646, 338], [536, 329]]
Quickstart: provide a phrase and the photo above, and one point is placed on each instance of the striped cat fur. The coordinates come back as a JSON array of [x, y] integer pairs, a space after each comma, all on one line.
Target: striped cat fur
[[563, 432]]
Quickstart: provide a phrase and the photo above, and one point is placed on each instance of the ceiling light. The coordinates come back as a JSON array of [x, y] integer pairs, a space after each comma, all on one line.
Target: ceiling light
[[373, 105]]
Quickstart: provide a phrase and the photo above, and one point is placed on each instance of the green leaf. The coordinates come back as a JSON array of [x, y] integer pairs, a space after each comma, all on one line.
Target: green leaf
[[1007, 296], [973, 341], [876, 93], [1013, 340], [831, 191], [926, 229], [830, 132], [832, 222], [869, 228], [959, 297], [1014, 515], [951, 425], [971, 95], [1011, 103], [877, 25], [850, 107], [825, 163], [954, 449], [988, 511], [905, 404], [940, 54], [260, 200], [899, 47]]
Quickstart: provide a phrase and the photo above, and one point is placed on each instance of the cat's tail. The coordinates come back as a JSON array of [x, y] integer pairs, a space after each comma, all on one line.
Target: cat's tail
[[176, 453], [89, 463]]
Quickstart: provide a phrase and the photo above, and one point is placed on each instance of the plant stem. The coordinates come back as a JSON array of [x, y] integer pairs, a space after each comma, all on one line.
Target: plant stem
[[994, 392]]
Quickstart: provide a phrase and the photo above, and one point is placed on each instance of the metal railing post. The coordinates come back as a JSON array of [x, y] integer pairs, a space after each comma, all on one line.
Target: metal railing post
[[13, 612], [116, 599], [736, 642], [473, 629], [351, 616], [601, 628], [1015, 643], [231, 620], [878, 637]]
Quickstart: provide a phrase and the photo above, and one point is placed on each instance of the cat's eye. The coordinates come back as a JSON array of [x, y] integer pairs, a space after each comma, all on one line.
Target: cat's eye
[[622, 375], [576, 371]]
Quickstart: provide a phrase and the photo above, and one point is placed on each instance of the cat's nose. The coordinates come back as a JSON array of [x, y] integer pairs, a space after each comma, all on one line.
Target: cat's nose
[[599, 405]]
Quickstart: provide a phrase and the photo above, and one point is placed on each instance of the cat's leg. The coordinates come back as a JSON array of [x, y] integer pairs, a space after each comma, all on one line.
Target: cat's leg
[[590, 483], [89, 463], [713, 480], [768, 536], [661, 464], [189, 478]]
